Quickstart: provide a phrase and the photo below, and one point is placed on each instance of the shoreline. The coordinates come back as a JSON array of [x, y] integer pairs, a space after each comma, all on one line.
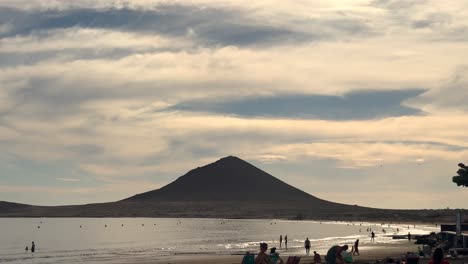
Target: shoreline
[[369, 254]]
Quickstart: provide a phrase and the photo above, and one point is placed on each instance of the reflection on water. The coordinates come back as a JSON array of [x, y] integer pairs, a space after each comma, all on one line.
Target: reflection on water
[[116, 240]]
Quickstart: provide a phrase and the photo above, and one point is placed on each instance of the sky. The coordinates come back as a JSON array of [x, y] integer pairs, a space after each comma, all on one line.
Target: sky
[[354, 101]]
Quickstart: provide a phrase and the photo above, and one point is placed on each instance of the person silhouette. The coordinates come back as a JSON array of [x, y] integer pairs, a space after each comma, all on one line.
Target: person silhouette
[[372, 236], [307, 246], [281, 240], [262, 257], [286, 241], [317, 258], [33, 247], [356, 248], [334, 255]]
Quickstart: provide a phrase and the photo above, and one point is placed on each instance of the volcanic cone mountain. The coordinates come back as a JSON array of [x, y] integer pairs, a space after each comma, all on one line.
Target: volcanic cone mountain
[[228, 188], [228, 179]]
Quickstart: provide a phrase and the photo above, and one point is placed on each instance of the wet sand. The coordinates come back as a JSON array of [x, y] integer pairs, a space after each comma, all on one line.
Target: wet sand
[[373, 254]]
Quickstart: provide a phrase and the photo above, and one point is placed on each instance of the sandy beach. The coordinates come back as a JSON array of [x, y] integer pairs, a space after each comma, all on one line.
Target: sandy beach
[[375, 254]]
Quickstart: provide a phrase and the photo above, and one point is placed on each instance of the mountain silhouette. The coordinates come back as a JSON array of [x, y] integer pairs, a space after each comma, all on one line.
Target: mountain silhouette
[[227, 188], [228, 179]]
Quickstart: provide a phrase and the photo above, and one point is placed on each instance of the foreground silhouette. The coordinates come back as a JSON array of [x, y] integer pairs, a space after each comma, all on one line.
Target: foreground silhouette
[[462, 178]]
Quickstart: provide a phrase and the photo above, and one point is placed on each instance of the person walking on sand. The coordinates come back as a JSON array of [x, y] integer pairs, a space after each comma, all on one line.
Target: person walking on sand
[[334, 255], [286, 241], [33, 247], [307, 246], [281, 240], [317, 258], [356, 248], [372, 236], [262, 257]]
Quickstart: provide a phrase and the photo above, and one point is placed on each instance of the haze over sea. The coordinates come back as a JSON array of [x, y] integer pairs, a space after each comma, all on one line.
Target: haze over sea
[[62, 240]]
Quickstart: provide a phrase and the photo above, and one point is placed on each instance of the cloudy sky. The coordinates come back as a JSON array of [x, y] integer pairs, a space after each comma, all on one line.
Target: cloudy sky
[[355, 101]]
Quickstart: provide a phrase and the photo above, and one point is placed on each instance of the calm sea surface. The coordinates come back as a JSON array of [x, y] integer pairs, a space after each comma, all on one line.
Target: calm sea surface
[[62, 240]]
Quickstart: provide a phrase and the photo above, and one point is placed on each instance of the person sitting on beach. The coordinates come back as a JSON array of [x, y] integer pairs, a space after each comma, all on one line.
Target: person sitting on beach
[[248, 258], [27, 249], [334, 255], [262, 257], [317, 258], [438, 257], [274, 256]]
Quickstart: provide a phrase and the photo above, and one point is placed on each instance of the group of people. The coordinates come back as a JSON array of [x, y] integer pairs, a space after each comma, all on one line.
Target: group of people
[[285, 241], [33, 247], [272, 258], [338, 254], [264, 258]]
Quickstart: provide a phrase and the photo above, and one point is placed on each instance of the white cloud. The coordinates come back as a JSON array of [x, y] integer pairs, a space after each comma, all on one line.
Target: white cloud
[[93, 97], [68, 179]]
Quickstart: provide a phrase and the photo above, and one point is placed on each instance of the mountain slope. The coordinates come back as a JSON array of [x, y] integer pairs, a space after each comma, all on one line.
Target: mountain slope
[[228, 179], [228, 188]]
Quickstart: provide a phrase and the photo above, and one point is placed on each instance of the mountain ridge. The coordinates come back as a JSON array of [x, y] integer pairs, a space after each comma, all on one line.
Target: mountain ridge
[[227, 188]]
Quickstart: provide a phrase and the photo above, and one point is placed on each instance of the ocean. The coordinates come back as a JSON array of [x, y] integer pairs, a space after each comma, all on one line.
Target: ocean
[[124, 240]]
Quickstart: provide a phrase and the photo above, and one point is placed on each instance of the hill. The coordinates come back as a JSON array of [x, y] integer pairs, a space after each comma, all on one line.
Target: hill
[[227, 188], [228, 179]]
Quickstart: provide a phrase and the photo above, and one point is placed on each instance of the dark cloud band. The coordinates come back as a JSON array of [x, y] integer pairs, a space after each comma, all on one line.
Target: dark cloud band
[[358, 105]]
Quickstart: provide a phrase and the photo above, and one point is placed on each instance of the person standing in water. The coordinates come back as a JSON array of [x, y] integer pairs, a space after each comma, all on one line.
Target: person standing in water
[[281, 240], [409, 236], [372, 236], [307, 246], [33, 247], [286, 241]]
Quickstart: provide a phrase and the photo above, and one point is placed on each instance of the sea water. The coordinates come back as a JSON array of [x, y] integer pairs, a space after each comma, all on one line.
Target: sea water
[[121, 240]]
